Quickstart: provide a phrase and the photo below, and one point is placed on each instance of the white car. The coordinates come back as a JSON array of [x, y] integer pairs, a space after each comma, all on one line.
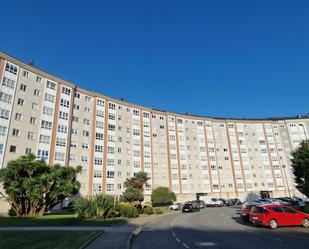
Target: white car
[[175, 206], [213, 202]]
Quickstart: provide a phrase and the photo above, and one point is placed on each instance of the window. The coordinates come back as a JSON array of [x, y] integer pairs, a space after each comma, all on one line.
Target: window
[[100, 113], [66, 90], [289, 210], [30, 135], [18, 116], [46, 125], [112, 106], [75, 119], [25, 74], [100, 102], [12, 148], [86, 121], [44, 139], [63, 115], [49, 97], [109, 187], [98, 148], [59, 156], [1, 148], [7, 98], [11, 68], [85, 146], [86, 110], [42, 154], [23, 87], [87, 98], [62, 128], [35, 106], [110, 174], [86, 133], [33, 120], [20, 102], [3, 130], [277, 209], [76, 107], [99, 124], [48, 111], [111, 127], [99, 136], [38, 79], [61, 142], [65, 103], [77, 95], [4, 113], [28, 150], [51, 85], [15, 132], [97, 174], [8, 82], [36, 92]]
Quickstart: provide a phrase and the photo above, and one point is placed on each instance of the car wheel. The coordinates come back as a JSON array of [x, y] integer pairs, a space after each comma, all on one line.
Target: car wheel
[[171, 209], [305, 222], [273, 224]]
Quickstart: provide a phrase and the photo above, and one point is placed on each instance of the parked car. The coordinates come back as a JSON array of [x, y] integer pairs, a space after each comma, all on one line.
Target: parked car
[[190, 207], [233, 202], [246, 209], [213, 202], [201, 203], [278, 215], [223, 201], [175, 206]]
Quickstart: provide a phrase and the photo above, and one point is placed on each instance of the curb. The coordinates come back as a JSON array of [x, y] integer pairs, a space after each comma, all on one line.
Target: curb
[[134, 233], [138, 230], [92, 238]]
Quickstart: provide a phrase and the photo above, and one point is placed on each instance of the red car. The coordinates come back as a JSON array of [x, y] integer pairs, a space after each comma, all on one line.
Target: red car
[[278, 215], [246, 209]]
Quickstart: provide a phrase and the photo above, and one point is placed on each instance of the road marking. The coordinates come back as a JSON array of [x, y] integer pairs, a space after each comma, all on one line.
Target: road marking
[[173, 234], [185, 245], [206, 243], [178, 240]]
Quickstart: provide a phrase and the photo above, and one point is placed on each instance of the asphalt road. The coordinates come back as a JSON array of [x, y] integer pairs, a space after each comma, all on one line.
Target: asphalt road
[[216, 228]]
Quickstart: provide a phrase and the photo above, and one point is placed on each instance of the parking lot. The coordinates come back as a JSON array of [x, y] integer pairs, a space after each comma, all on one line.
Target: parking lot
[[220, 227]]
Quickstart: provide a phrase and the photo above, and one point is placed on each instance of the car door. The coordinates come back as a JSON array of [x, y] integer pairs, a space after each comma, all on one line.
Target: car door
[[291, 217], [278, 214]]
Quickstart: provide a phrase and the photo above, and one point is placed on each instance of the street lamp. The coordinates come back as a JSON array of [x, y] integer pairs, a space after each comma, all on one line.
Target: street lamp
[[305, 134]]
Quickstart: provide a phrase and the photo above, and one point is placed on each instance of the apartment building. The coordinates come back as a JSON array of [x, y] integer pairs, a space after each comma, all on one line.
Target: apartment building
[[112, 139]]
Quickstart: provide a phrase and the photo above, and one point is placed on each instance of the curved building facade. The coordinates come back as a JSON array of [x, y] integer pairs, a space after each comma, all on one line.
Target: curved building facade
[[112, 139]]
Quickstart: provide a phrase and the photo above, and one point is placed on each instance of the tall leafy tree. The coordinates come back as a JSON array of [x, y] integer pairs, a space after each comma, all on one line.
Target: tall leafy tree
[[300, 164], [33, 188], [134, 187]]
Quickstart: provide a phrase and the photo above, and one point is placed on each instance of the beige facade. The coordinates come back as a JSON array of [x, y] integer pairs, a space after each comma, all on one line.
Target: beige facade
[[113, 139]]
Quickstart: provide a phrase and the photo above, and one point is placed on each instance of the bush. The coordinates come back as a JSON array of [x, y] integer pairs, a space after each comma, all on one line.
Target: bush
[[162, 195], [126, 210], [103, 204], [148, 210], [85, 208], [12, 212]]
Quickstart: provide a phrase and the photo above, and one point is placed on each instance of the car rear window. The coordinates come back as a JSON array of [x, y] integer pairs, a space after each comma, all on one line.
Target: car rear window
[[258, 210]]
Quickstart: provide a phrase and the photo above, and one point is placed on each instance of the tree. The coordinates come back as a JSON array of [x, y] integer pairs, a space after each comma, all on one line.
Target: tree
[[134, 187], [300, 164], [34, 188], [162, 195]]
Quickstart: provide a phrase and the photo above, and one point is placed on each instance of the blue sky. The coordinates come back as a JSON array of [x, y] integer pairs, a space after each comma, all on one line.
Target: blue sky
[[209, 57]]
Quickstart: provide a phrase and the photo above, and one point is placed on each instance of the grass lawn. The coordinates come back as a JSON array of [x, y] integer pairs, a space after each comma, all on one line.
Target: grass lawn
[[57, 220], [44, 239]]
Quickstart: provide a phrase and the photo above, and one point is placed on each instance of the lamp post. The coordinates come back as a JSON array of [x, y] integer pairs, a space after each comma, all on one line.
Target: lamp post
[[305, 134]]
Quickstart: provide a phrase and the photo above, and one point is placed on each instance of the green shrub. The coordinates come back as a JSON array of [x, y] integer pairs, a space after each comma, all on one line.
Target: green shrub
[[126, 210], [148, 210], [85, 208], [12, 212], [103, 204]]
